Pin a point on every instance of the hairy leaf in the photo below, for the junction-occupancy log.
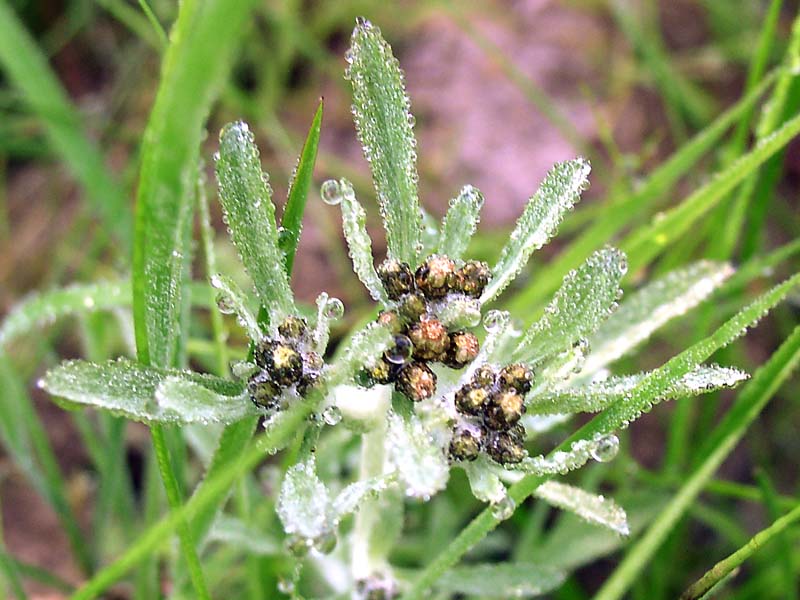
(304, 501)
(460, 222)
(590, 507)
(500, 580)
(232, 298)
(419, 461)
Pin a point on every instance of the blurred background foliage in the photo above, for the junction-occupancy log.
(501, 90)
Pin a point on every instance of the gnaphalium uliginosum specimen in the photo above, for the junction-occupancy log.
(424, 388)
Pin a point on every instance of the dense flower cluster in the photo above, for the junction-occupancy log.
(285, 362)
(490, 407)
(420, 337)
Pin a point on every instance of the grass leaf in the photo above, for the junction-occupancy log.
(246, 198)
(381, 109)
(558, 193)
(460, 222)
(589, 507)
(500, 580)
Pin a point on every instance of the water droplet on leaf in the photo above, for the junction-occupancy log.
(606, 449)
(334, 309)
(504, 508)
(331, 192)
(332, 416)
(224, 304)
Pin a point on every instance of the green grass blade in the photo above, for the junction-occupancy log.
(384, 123)
(460, 222)
(557, 194)
(617, 416)
(749, 404)
(27, 68)
(500, 580)
(622, 213)
(589, 507)
(246, 198)
(292, 221)
(41, 309)
(647, 242)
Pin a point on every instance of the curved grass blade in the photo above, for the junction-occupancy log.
(558, 193)
(381, 110)
(233, 297)
(292, 221)
(41, 309)
(246, 198)
(589, 507)
(460, 222)
(500, 580)
(766, 381)
(650, 308)
(359, 244)
(587, 297)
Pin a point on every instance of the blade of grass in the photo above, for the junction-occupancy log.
(292, 221)
(619, 215)
(782, 553)
(202, 42)
(28, 70)
(613, 418)
(154, 23)
(749, 404)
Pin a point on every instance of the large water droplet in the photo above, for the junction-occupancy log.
(400, 353)
(332, 416)
(298, 545)
(493, 321)
(606, 449)
(224, 304)
(504, 508)
(325, 543)
(331, 192)
(334, 309)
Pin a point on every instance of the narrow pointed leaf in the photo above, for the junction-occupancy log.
(381, 110)
(149, 394)
(501, 580)
(304, 501)
(586, 298)
(246, 198)
(589, 507)
(232, 295)
(650, 308)
(349, 499)
(292, 221)
(564, 459)
(44, 308)
(359, 244)
(420, 464)
(558, 193)
(596, 397)
(460, 222)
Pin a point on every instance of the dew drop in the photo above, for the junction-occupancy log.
(331, 192)
(285, 586)
(493, 321)
(332, 416)
(88, 302)
(298, 545)
(325, 543)
(606, 449)
(504, 508)
(224, 304)
(334, 309)
(400, 353)
(242, 369)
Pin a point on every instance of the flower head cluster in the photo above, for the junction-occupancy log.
(420, 337)
(286, 362)
(489, 409)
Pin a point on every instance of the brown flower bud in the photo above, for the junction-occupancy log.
(412, 306)
(472, 278)
(264, 392)
(391, 320)
(283, 362)
(416, 381)
(436, 276)
(430, 340)
(463, 349)
(504, 448)
(484, 376)
(504, 410)
(396, 277)
(472, 400)
(383, 371)
(516, 377)
(466, 442)
(293, 328)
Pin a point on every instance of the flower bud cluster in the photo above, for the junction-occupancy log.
(285, 362)
(491, 406)
(421, 338)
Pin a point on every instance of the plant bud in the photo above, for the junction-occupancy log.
(430, 340)
(516, 377)
(466, 442)
(416, 381)
(383, 372)
(284, 364)
(472, 400)
(412, 306)
(504, 448)
(264, 392)
(484, 376)
(391, 320)
(396, 277)
(463, 349)
(436, 276)
(293, 328)
(504, 410)
(472, 278)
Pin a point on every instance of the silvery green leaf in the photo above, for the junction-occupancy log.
(651, 307)
(458, 311)
(558, 193)
(246, 199)
(587, 297)
(460, 222)
(589, 507)
(39, 309)
(430, 233)
(500, 580)
(304, 501)
(359, 244)
(348, 500)
(149, 394)
(419, 462)
(381, 110)
(322, 327)
(561, 461)
(483, 480)
(232, 295)
(595, 397)
(235, 533)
